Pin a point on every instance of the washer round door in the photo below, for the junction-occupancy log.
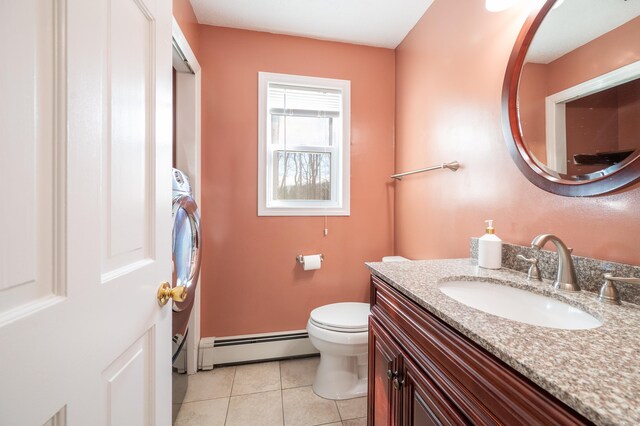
(186, 258)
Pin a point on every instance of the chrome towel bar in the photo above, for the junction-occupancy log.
(453, 166)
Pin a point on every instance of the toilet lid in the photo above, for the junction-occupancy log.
(347, 316)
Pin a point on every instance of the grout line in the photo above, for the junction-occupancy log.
(226, 414)
(256, 392)
(233, 382)
(281, 391)
(303, 386)
(206, 399)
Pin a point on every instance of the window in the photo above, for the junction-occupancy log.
(303, 152)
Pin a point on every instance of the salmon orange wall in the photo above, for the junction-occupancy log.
(449, 76)
(253, 283)
(186, 18)
(629, 112)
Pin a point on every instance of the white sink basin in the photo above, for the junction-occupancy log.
(519, 305)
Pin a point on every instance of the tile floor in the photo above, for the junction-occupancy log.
(269, 394)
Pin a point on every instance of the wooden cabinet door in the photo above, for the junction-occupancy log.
(383, 368)
(423, 403)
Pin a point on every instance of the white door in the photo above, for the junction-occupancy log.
(85, 125)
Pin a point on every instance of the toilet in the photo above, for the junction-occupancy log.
(339, 331)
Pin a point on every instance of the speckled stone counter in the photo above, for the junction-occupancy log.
(596, 371)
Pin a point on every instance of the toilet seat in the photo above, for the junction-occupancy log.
(346, 317)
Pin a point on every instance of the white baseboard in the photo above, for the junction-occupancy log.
(253, 347)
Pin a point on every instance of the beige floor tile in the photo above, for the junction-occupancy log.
(256, 409)
(332, 424)
(302, 407)
(352, 408)
(252, 378)
(355, 422)
(211, 412)
(298, 372)
(210, 384)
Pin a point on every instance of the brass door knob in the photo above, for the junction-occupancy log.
(165, 293)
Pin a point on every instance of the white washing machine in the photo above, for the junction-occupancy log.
(186, 242)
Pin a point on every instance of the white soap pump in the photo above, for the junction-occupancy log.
(490, 248)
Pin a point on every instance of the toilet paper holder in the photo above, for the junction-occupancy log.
(300, 258)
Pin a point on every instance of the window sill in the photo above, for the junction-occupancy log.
(304, 212)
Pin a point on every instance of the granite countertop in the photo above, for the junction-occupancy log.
(596, 371)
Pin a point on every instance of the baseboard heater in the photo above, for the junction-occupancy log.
(253, 348)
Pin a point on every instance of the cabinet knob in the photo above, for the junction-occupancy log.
(398, 383)
(390, 374)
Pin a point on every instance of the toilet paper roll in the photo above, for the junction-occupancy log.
(311, 262)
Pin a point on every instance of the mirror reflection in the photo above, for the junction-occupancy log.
(579, 89)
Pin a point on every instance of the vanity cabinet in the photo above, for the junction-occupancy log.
(423, 372)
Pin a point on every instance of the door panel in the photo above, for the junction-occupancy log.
(29, 156)
(128, 382)
(382, 398)
(423, 402)
(128, 152)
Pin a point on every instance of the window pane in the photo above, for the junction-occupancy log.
(302, 175)
(292, 130)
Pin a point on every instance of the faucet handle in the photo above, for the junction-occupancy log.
(609, 292)
(534, 271)
(628, 280)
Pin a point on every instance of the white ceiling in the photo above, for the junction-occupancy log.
(577, 22)
(381, 23)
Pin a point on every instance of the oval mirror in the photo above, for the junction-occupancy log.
(571, 96)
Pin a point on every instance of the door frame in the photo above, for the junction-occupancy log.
(188, 157)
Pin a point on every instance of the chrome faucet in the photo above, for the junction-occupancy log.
(566, 278)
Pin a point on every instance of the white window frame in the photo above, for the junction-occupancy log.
(339, 205)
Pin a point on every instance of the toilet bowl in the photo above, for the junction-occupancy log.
(339, 332)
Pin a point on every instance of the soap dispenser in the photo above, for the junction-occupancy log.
(490, 249)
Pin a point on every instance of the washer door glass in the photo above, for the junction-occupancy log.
(186, 257)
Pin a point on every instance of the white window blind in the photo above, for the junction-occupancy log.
(304, 101)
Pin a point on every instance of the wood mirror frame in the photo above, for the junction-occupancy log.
(609, 179)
